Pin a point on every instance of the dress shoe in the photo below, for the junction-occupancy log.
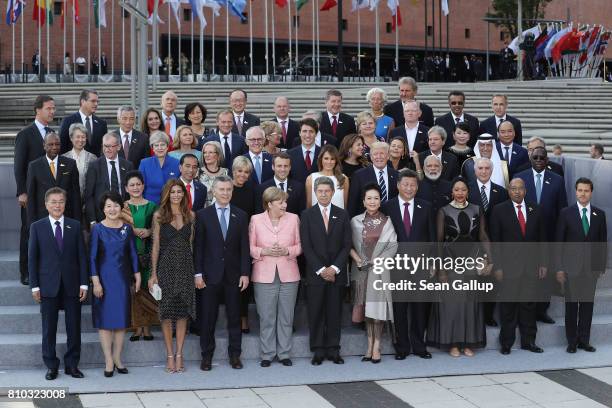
(374, 361)
(148, 338)
(108, 374)
(400, 356)
(545, 319)
(236, 363)
(586, 347)
(51, 374)
(505, 350)
(491, 323)
(122, 370)
(339, 360)
(286, 362)
(533, 348)
(316, 360)
(25, 280)
(571, 348)
(366, 359)
(135, 338)
(265, 363)
(426, 355)
(74, 372)
(245, 331)
(206, 364)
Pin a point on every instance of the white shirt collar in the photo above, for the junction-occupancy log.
(53, 220)
(84, 116)
(580, 207)
(41, 128)
(318, 139)
(277, 181)
(122, 134)
(116, 159)
(331, 115)
(286, 120)
(54, 161)
(498, 118)
(254, 156)
(461, 118)
(402, 202)
(522, 204)
(217, 206)
(487, 184)
(311, 149)
(377, 171)
(416, 126)
(185, 182)
(322, 207)
(535, 173)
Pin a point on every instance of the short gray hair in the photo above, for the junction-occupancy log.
(49, 135)
(316, 115)
(77, 127)
(158, 136)
(430, 158)
(222, 179)
(124, 108)
(113, 135)
(374, 91)
(379, 145)
(242, 162)
(254, 129)
(408, 81)
(324, 180)
(535, 139)
(438, 130)
(478, 160)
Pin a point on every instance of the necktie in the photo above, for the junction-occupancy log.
(282, 186)
(521, 219)
(48, 130)
(227, 152)
(325, 219)
(483, 198)
(585, 221)
(168, 126)
(52, 168)
(189, 199)
(334, 125)
(507, 154)
(126, 145)
(88, 126)
(258, 168)
(407, 223)
(223, 223)
(114, 186)
(457, 120)
(382, 185)
(58, 236)
(284, 130)
(239, 123)
(538, 187)
(308, 161)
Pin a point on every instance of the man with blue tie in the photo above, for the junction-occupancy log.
(512, 153)
(233, 144)
(261, 161)
(57, 265)
(222, 265)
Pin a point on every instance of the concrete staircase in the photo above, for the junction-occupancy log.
(572, 113)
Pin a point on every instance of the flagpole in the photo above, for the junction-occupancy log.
(73, 36)
(13, 31)
(227, 55)
(273, 42)
(213, 42)
(123, 47)
(180, 55)
(112, 37)
(359, 38)
(64, 17)
(88, 62)
(397, 38)
(192, 70)
(154, 45)
(101, 4)
(290, 23)
(48, 53)
(169, 56)
(377, 44)
(266, 34)
(201, 50)
(314, 51)
(297, 39)
(318, 43)
(251, 35)
(22, 53)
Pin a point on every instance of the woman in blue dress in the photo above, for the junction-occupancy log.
(113, 268)
(158, 168)
(377, 98)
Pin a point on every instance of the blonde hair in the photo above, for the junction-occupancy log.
(362, 117)
(271, 194)
(242, 162)
(176, 143)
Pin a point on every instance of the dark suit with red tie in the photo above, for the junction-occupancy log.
(290, 133)
(345, 124)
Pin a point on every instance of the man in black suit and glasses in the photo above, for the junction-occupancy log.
(325, 232)
(96, 126)
(456, 103)
(408, 92)
(28, 147)
(582, 238)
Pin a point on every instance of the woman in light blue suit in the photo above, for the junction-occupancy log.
(158, 168)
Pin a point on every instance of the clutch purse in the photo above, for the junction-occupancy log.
(156, 292)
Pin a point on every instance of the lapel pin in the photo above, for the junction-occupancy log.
(418, 206)
(334, 217)
(266, 160)
(547, 182)
(494, 190)
(530, 209)
(289, 189)
(172, 173)
(594, 213)
(245, 122)
(68, 226)
(233, 215)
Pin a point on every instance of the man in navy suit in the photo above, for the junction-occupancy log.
(96, 126)
(413, 132)
(490, 124)
(379, 172)
(304, 157)
(334, 122)
(233, 144)
(413, 222)
(436, 138)
(547, 190)
(134, 144)
(456, 102)
(290, 129)
(242, 120)
(281, 165)
(57, 264)
(408, 91)
(222, 264)
(582, 254)
(512, 153)
(29, 146)
(170, 121)
(188, 166)
(261, 160)
(532, 143)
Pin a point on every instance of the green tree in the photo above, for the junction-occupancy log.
(507, 11)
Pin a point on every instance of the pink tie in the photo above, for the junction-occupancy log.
(325, 219)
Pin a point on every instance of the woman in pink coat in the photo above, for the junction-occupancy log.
(274, 237)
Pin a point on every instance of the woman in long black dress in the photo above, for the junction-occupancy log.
(172, 268)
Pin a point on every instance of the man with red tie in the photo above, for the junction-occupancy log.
(334, 122)
(188, 166)
(290, 128)
(304, 157)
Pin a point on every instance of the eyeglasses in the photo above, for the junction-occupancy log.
(258, 140)
(53, 202)
(110, 146)
(160, 144)
(538, 157)
(456, 103)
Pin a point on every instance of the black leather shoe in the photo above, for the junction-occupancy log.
(586, 347)
(426, 355)
(109, 373)
(51, 374)
(316, 360)
(505, 351)
(491, 323)
(236, 363)
(265, 363)
(206, 364)
(286, 362)
(376, 360)
(74, 372)
(122, 370)
(545, 319)
(134, 338)
(148, 338)
(366, 359)
(533, 348)
(400, 356)
(25, 280)
(339, 360)
(571, 348)
(245, 331)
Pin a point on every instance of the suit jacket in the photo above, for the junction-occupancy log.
(298, 165)
(219, 260)
(325, 248)
(94, 142)
(361, 178)
(346, 125)
(29, 145)
(489, 125)
(396, 111)
(97, 182)
(248, 120)
(422, 224)
(296, 190)
(238, 147)
(49, 267)
(438, 193)
(448, 123)
(139, 147)
(420, 143)
(552, 200)
(263, 235)
(266, 168)
(498, 194)
(518, 157)
(293, 133)
(200, 192)
(449, 163)
(40, 180)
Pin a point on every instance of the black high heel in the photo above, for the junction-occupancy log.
(110, 373)
(366, 359)
(123, 370)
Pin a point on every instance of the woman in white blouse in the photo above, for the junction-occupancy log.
(329, 165)
(78, 137)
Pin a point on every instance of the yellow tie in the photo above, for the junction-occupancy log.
(52, 167)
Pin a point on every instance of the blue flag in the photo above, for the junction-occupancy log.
(236, 7)
(13, 11)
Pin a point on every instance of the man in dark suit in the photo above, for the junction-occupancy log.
(188, 166)
(104, 64)
(408, 91)
(290, 129)
(413, 223)
(261, 160)
(325, 232)
(242, 120)
(512, 153)
(379, 172)
(433, 188)
(96, 126)
(281, 165)
(491, 124)
(596, 151)
(436, 139)
(304, 157)
(532, 143)
(134, 144)
(321, 138)
(57, 267)
(582, 254)
(517, 226)
(170, 121)
(106, 173)
(222, 266)
(49, 171)
(456, 102)
(334, 122)
(29, 145)
(414, 132)
(232, 143)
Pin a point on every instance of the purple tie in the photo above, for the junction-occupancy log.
(407, 223)
(58, 236)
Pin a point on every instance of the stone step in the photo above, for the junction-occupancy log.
(9, 265)
(13, 293)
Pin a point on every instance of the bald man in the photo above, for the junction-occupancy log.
(170, 121)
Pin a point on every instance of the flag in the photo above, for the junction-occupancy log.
(210, 4)
(359, 4)
(565, 45)
(395, 12)
(373, 4)
(176, 9)
(13, 11)
(43, 11)
(445, 9)
(514, 45)
(329, 4)
(397, 20)
(554, 40)
(590, 46)
(75, 10)
(196, 10)
(541, 41)
(602, 45)
(99, 13)
(236, 7)
(300, 3)
(281, 3)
